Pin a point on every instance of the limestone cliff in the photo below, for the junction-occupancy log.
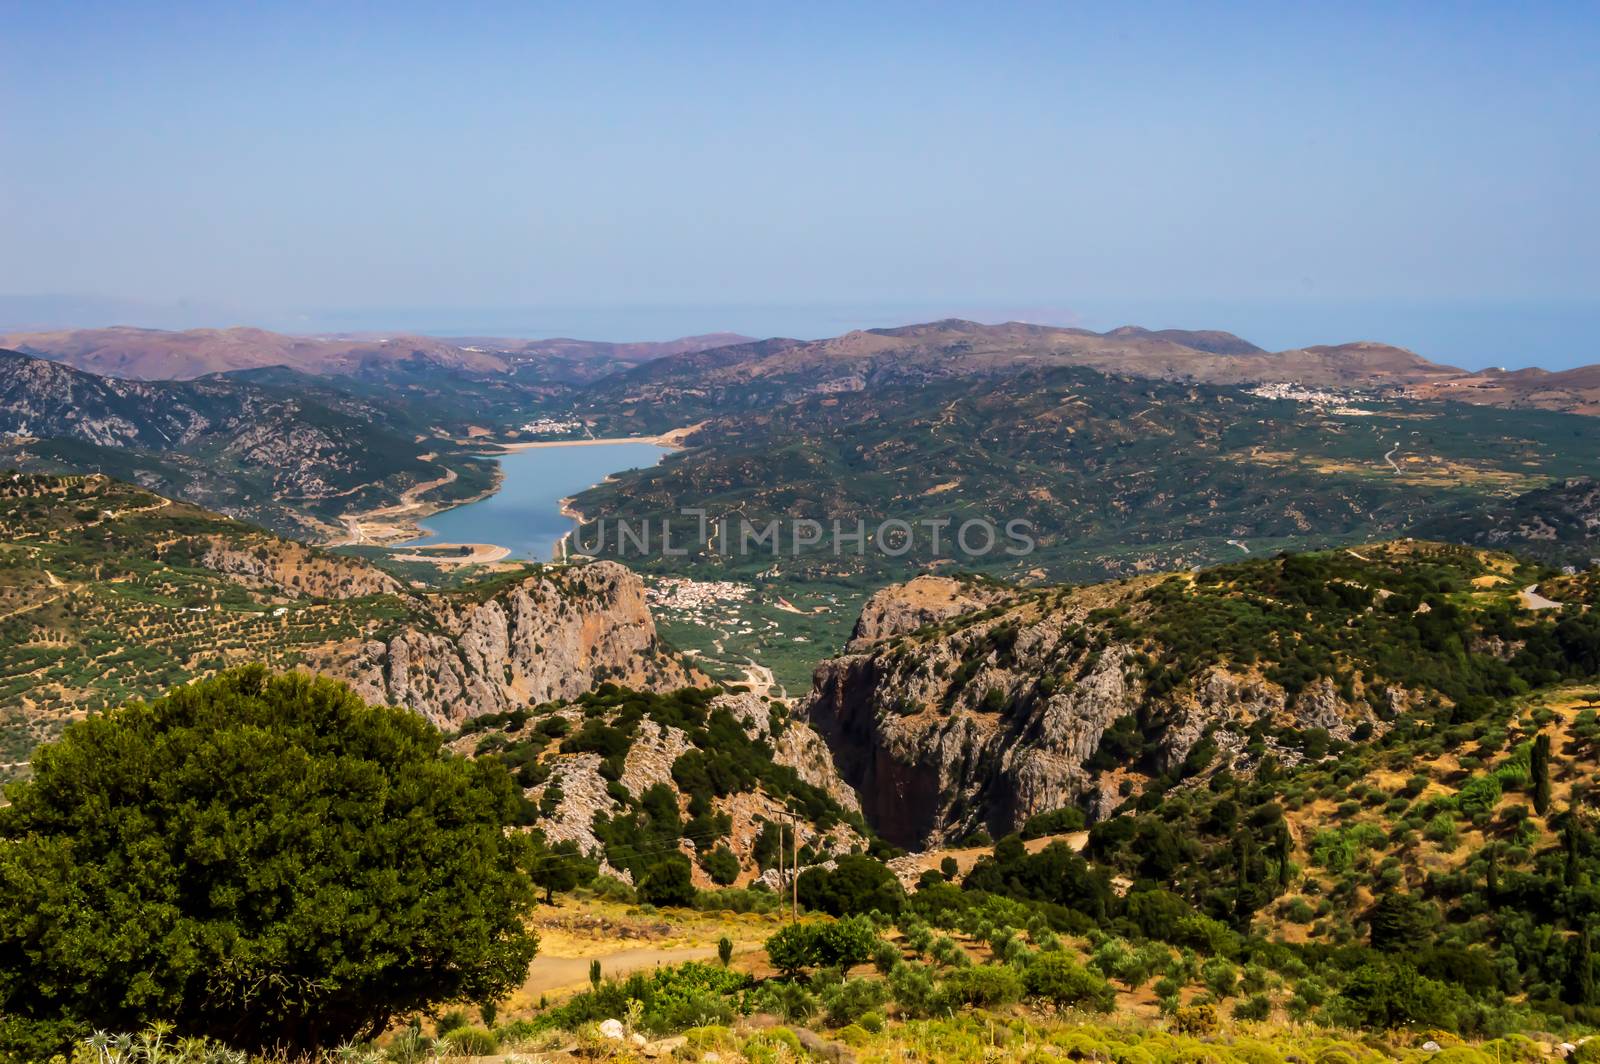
(551, 635)
(956, 708)
(576, 790)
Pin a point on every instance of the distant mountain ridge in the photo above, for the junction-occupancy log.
(686, 388)
(157, 354)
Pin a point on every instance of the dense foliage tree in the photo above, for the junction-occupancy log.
(560, 868)
(1401, 922)
(856, 884)
(670, 881)
(1059, 979)
(1580, 970)
(835, 944)
(721, 865)
(262, 859)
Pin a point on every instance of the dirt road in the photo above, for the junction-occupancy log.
(1532, 600)
(550, 974)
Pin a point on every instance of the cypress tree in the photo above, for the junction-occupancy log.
(1580, 971)
(1569, 839)
(1282, 845)
(1539, 765)
(1243, 852)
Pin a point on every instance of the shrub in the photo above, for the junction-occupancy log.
(202, 858)
(856, 884)
(851, 999)
(1255, 1007)
(982, 986)
(1219, 976)
(787, 1000)
(1442, 830)
(913, 989)
(838, 944)
(669, 999)
(1195, 1019)
(1060, 980)
(669, 882)
(721, 865)
(790, 948)
(473, 1042)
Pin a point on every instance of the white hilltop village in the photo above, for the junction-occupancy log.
(1332, 402)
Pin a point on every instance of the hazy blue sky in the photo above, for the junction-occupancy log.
(1423, 173)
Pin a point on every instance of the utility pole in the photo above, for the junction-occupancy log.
(794, 882)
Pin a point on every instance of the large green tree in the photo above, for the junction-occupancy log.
(262, 859)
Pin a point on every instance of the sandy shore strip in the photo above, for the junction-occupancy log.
(478, 554)
(673, 439)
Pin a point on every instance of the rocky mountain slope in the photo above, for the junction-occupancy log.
(285, 452)
(108, 592)
(1004, 704)
(1574, 390)
(728, 779)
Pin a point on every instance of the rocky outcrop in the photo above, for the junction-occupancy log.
(294, 569)
(579, 780)
(987, 721)
(552, 635)
(902, 608)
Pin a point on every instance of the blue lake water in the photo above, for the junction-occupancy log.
(525, 514)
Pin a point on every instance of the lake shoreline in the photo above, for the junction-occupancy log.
(667, 440)
(487, 548)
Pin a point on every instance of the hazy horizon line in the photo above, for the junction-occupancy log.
(1554, 334)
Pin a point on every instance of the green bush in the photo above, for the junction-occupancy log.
(982, 986)
(856, 884)
(721, 865)
(203, 859)
(848, 1001)
(836, 944)
(1255, 1007)
(1060, 980)
(473, 1042)
(669, 882)
(670, 999)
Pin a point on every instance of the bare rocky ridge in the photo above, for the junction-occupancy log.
(941, 732)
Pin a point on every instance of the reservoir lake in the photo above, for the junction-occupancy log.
(525, 514)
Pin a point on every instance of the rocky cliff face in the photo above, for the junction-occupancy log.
(552, 635)
(990, 717)
(581, 783)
